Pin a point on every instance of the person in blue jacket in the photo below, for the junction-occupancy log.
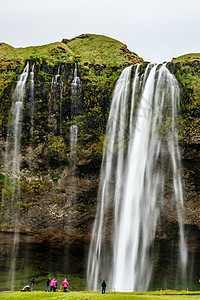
(48, 284)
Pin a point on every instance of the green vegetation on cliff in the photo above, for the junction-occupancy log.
(187, 72)
(102, 50)
(100, 61)
(89, 48)
(85, 49)
(45, 167)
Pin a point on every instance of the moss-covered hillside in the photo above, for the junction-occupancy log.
(87, 49)
(186, 68)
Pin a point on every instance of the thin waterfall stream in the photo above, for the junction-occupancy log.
(55, 124)
(32, 99)
(75, 89)
(12, 160)
(140, 151)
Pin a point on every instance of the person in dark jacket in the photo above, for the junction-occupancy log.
(48, 284)
(32, 283)
(103, 285)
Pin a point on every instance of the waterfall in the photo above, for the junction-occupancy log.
(13, 146)
(76, 80)
(75, 93)
(56, 92)
(11, 190)
(31, 99)
(75, 89)
(140, 151)
(73, 145)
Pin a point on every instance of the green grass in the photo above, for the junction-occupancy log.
(85, 50)
(92, 295)
(50, 52)
(101, 50)
(22, 278)
(90, 48)
(187, 57)
(188, 75)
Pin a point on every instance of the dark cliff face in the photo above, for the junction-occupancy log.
(48, 200)
(57, 191)
(186, 69)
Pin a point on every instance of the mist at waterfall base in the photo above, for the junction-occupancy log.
(141, 155)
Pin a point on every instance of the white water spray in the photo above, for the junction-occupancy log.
(141, 140)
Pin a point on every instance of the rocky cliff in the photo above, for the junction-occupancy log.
(48, 200)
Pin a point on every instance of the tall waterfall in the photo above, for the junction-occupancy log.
(75, 89)
(140, 153)
(31, 99)
(13, 146)
(11, 190)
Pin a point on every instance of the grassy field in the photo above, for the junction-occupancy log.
(89, 48)
(22, 278)
(97, 295)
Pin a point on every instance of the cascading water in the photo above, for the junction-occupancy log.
(140, 151)
(56, 91)
(31, 99)
(73, 145)
(11, 190)
(75, 89)
(76, 81)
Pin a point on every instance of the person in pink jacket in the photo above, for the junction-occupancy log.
(53, 285)
(65, 285)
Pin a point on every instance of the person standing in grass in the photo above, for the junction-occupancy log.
(103, 285)
(32, 283)
(48, 284)
(53, 285)
(65, 285)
